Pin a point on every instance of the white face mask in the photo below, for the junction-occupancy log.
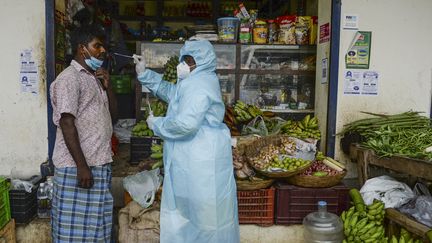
(183, 70)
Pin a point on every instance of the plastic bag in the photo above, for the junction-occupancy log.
(390, 191)
(305, 149)
(420, 209)
(263, 127)
(123, 129)
(143, 186)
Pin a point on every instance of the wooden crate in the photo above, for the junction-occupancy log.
(7, 233)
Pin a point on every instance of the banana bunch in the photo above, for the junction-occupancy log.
(244, 112)
(170, 67)
(306, 128)
(364, 226)
(229, 120)
(141, 130)
(405, 237)
(157, 154)
(158, 107)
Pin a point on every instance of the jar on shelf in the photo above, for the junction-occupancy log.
(245, 35)
(260, 32)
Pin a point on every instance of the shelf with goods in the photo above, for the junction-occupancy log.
(264, 76)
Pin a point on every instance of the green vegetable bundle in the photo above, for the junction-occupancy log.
(407, 134)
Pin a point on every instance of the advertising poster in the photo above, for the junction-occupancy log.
(358, 55)
(28, 74)
(361, 82)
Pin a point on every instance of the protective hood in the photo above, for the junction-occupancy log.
(203, 53)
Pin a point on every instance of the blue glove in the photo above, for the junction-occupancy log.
(150, 121)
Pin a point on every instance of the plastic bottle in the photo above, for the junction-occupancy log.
(43, 202)
(322, 226)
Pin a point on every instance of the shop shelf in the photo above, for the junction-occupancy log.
(294, 203)
(256, 207)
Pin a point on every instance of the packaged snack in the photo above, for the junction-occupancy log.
(253, 16)
(287, 29)
(313, 31)
(245, 35)
(238, 14)
(244, 11)
(303, 25)
(272, 31)
(260, 32)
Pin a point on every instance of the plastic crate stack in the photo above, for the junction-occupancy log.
(256, 206)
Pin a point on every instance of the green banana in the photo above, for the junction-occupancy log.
(343, 216)
(367, 228)
(156, 156)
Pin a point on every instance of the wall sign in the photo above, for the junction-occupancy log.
(324, 33)
(358, 55)
(358, 82)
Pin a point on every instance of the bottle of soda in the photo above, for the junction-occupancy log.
(43, 202)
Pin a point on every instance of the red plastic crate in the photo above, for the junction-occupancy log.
(256, 207)
(294, 203)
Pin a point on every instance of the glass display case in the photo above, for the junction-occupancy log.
(279, 78)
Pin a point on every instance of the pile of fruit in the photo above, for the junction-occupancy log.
(363, 223)
(278, 158)
(286, 164)
(170, 73)
(141, 130)
(244, 112)
(157, 154)
(306, 128)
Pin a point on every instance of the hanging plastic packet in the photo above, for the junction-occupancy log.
(244, 11)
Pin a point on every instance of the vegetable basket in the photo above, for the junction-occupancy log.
(253, 149)
(255, 183)
(316, 181)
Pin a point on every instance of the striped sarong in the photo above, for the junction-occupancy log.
(82, 215)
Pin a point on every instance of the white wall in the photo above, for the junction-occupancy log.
(401, 53)
(23, 116)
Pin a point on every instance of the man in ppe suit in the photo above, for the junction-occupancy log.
(199, 202)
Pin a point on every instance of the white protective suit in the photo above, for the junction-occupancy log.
(199, 202)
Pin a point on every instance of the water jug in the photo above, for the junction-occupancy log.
(322, 226)
(43, 202)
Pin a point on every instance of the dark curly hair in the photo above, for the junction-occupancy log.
(85, 34)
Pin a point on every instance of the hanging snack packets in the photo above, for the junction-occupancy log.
(287, 29)
(313, 31)
(244, 11)
(302, 28)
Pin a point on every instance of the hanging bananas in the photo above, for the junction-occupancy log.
(244, 112)
(157, 154)
(170, 67)
(306, 128)
(141, 130)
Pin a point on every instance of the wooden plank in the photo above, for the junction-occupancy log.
(414, 167)
(408, 223)
(7, 233)
(409, 166)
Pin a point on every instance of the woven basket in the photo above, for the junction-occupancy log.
(253, 149)
(316, 181)
(255, 183)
